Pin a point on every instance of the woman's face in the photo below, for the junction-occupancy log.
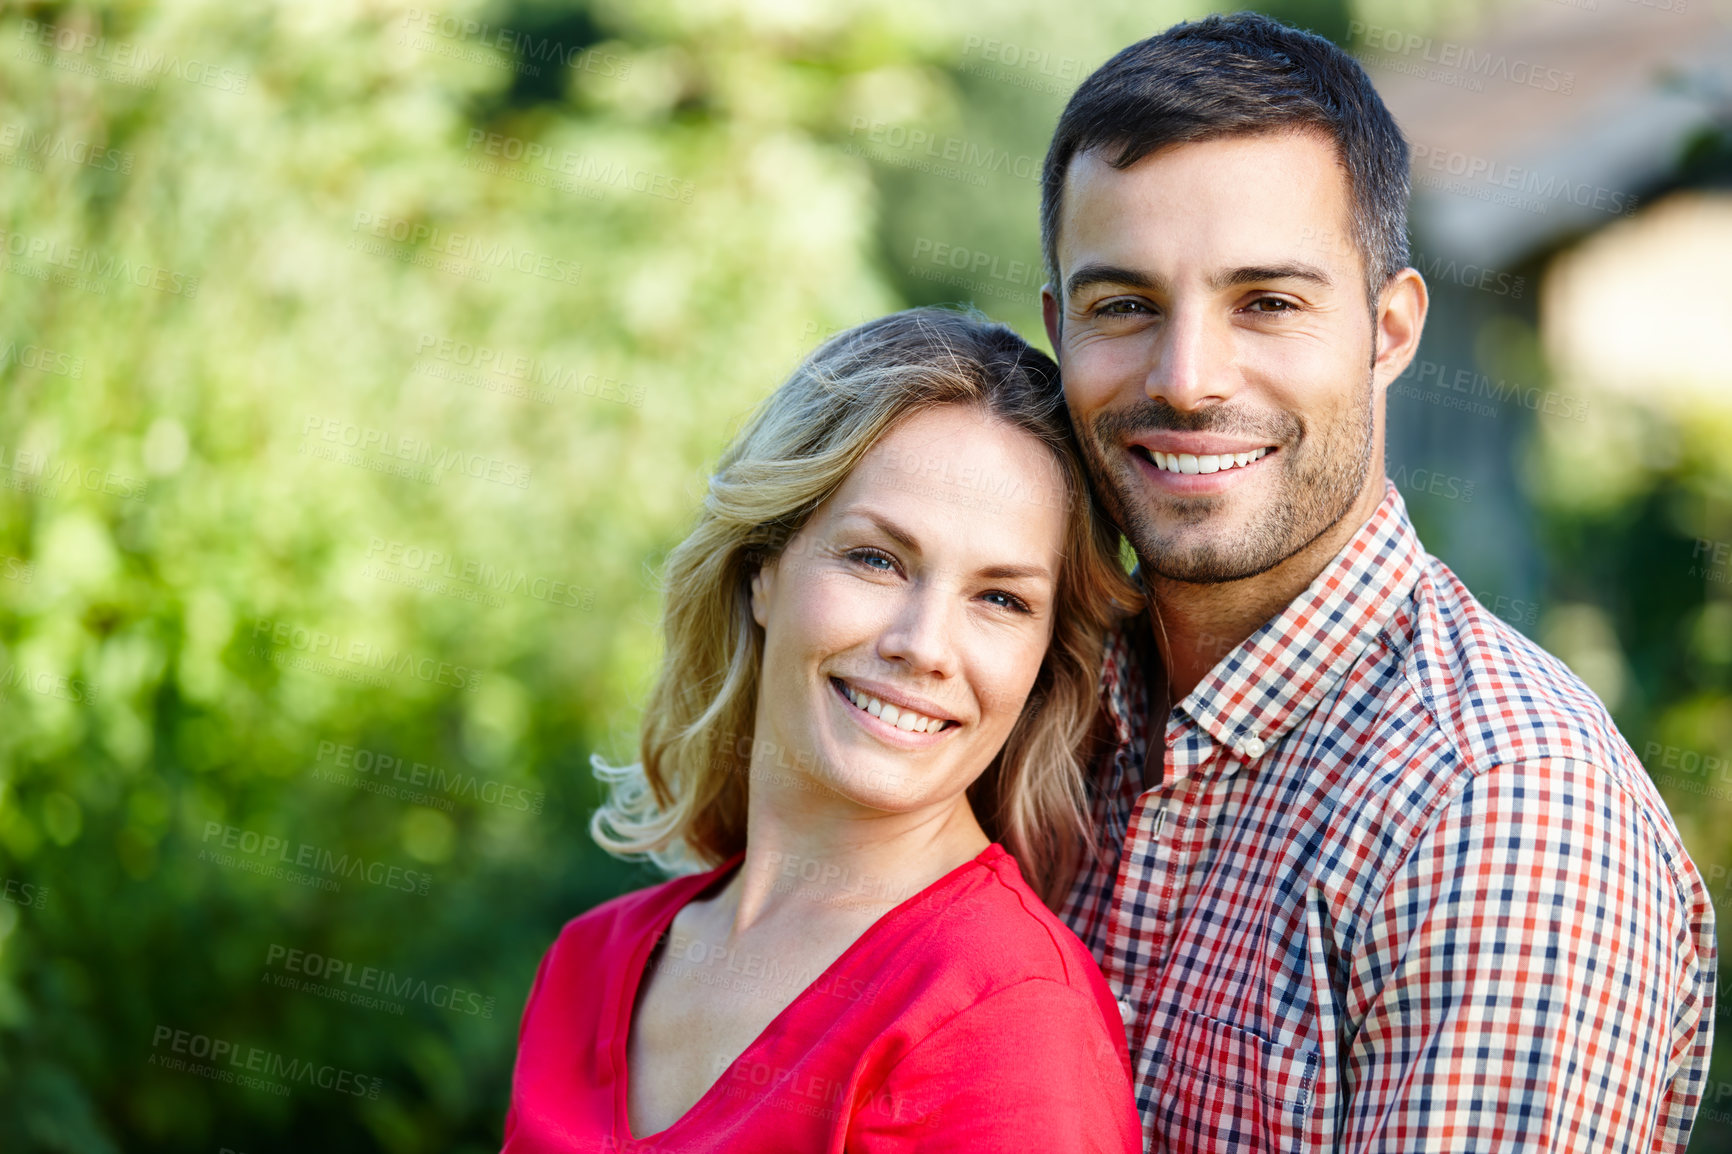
(905, 623)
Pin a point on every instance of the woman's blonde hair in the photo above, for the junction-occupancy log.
(684, 804)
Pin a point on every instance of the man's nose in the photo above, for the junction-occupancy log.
(1194, 360)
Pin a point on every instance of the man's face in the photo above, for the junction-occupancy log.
(1217, 349)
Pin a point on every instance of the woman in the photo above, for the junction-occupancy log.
(882, 644)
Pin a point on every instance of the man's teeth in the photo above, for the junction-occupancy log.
(901, 718)
(1207, 463)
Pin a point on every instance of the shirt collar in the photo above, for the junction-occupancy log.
(1262, 689)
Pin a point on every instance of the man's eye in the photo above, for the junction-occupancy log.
(1272, 305)
(1120, 308)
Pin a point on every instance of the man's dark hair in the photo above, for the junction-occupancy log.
(1232, 75)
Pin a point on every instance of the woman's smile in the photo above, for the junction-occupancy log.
(901, 726)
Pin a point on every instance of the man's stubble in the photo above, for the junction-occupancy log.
(1322, 473)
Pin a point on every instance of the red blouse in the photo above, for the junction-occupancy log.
(968, 1018)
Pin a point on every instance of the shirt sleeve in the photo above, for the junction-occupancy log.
(522, 1025)
(1538, 976)
(1031, 1067)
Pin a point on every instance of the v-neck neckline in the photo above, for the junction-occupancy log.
(621, 1047)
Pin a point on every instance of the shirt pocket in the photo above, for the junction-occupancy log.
(1229, 1089)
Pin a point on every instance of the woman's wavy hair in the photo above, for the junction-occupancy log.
(684, 804)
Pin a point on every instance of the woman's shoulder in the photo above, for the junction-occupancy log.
(1003, 1020)
(994, 926)
(632, 914)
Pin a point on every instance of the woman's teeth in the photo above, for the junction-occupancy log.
(901, 718)
(1206, 463)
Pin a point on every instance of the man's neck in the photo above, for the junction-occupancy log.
(1196, 625)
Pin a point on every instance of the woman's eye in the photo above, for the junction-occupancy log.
(874, 559)
(1007, 600)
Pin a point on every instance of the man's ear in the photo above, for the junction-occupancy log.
(763, 584)
(1051, 314)
(1401, 308)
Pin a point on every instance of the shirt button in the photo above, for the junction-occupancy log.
(1127, 1013)
(1252, 747)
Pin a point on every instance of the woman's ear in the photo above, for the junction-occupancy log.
(763, 587)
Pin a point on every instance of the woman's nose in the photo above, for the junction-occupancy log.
(922, 633)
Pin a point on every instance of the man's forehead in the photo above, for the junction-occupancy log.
(1243, 191)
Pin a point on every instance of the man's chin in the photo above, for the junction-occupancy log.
(1210, 572)
(1215, 558)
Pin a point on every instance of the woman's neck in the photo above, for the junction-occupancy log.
(808, 860)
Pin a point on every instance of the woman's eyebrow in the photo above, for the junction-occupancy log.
(1013, 572)
(1000, 572)
(888, 527)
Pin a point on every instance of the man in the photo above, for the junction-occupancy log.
(1375, 872)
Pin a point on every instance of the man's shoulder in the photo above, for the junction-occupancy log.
(1496, 695)
(1507, 707)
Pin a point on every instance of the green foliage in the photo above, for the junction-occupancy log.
(202, 608)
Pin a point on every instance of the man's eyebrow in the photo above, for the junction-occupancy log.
(1093, 274)
(1258, 274)
(1097, 274)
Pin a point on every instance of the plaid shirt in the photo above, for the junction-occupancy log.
(1400, 886)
